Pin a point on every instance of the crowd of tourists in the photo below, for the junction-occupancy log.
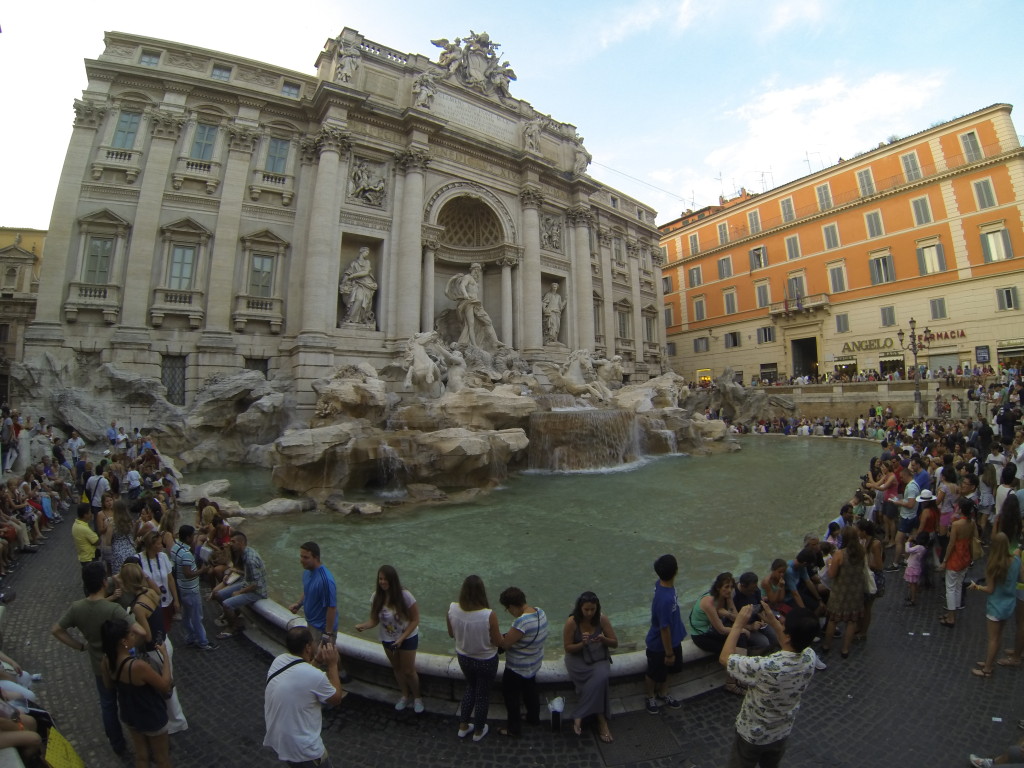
(938, 492)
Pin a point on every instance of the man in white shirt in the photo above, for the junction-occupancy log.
(296, 690)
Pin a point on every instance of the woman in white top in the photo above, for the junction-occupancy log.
(159, 568)
(475, 628)
(394, 610)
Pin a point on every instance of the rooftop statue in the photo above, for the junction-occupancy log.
(473, 61)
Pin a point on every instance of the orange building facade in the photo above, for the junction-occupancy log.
(819, 275)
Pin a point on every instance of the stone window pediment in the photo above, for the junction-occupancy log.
(186, 228)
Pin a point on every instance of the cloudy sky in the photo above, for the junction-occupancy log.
(679, 100)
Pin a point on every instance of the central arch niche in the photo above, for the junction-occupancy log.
(469, 224)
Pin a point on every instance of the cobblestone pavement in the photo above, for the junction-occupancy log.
(905, 698)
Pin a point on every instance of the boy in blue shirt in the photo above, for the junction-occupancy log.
(665, 637)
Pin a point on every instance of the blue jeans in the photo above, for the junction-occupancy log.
(192, 617)
(108, 708)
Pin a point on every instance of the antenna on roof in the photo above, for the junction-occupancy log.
(721, 189)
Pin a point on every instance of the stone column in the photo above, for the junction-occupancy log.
(165, 129)
(604, 239)
(319, 308)
(410, 248)
(60, 253)
(580, 217)
(506, 262)
(532, 338)
(221, 286)
(427, 301)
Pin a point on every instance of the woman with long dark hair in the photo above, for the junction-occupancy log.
(846, 602)
(394, 610)
(587, 638)
(475, 628)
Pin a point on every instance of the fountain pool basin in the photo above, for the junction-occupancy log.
(557, 534)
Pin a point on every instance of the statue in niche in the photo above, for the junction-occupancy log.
(477, 328)
(551, 233)
(531, 134)
(367, 184)
(551, 307)
(424, 88)
(348, 63)
(582, 159)
(357, 289)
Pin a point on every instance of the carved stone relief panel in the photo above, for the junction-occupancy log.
(551, 232)
(367, 182)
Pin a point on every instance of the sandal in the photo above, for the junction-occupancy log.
(1006, 661)
(226, 635)
(606, 737)
(507, 732)
(733, 688)
(947, 623)
(980, 672)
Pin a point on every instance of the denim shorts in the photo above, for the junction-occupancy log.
(409, 644)
(907, 524)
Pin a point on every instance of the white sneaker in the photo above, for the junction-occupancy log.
(981, 762)
(401, 704)
(464, 732)
(417, 706)
(480, 734)
(819, 664)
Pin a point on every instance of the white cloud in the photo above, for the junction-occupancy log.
(628, 20)
(786, 13)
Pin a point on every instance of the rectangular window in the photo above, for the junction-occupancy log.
(922, 211)
(650, 333)
(730, 302)
(882, 270)
(793, 247)
(694, 245)
(202, 144)
(1006, 298)
(694, 277)
(788, 212)
(758, 258)
(699, 312)
(938, 308)
(723, 234)
(261, 276)
(795, 287)
(865, 182)
(666, 284)
(996, 245)
(754, 222)
(930, 259)
(277, 156)
(625, 331)
(258, 364)
(724, 268)
(670, 348)
(763, 293)
(617, 253)
(127, 128)
(874, 223)
(824, 193)
(150, 59)
(766, 334)
(984, 193)
(842, 323)
(701, 344)
(972, 149)
(615, 201)
(220, 72)
(888, 316)
(182, 266)
(172, 375)
(669, 321)
(98, 256)
(911, 168)
(732, 339)
(291, 90)
(837, 278)
(831, 235)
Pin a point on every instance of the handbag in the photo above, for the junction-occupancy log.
(595, 652)
(870, 587)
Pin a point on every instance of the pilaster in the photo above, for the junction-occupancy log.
(532, 337)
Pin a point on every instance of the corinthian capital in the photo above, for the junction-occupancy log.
(530, 197)
(331, 139)
(164, 124)
(89, 114)
(604, 236)
(413, 159)
(242, 138)
(580, 216)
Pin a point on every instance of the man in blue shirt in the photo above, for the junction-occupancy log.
(319, 599)
(664, 638)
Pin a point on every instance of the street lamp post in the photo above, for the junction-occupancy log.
(916, 345)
